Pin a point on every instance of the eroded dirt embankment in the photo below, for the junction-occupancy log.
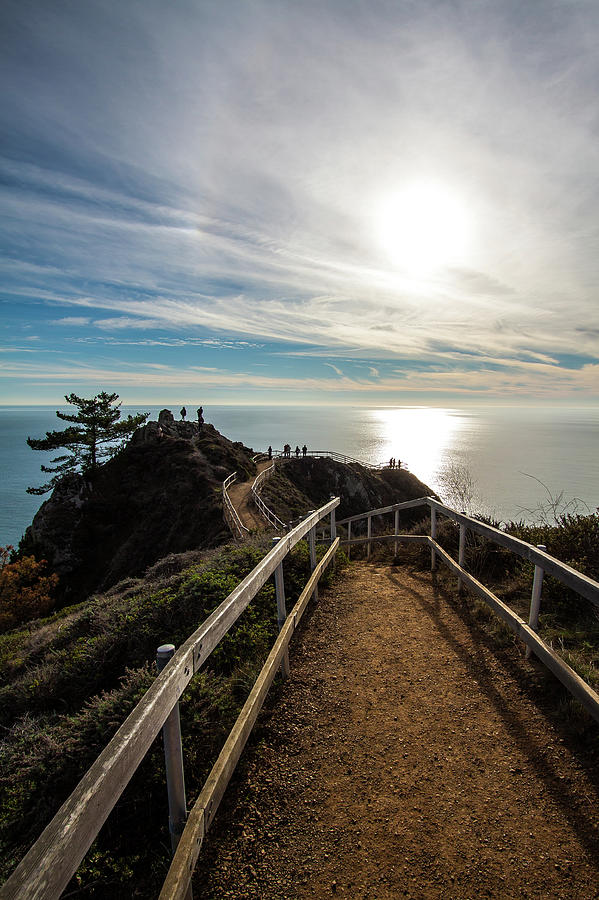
(406, 756)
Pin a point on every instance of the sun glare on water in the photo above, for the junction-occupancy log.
(424, 226)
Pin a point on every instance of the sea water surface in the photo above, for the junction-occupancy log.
(501, 448)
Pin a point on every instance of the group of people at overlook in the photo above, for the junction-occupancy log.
(393, 462)
(200, 413)
(287, 451)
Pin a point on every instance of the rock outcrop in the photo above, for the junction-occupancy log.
(161, 494)
(302, 484)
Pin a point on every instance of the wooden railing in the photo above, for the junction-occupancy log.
(265, 510)
(333, 454)
(238, 529)
(49, 865)
(527, 631)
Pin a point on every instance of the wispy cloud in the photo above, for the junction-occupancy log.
(225, 186)
(541, 382)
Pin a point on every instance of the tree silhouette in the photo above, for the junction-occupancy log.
(94, 435)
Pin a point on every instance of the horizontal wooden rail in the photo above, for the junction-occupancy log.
(573, 682)
(401, 538)
(407, 504)
(47, 868)
(333, 454)
(202, 814)
(582, 584)
(230, 514)
(568, 576)
(268, 514)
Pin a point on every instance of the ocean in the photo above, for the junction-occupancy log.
(507, 451)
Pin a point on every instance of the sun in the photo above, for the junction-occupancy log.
(424, 226)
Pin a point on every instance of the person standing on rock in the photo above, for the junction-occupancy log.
(183, 413)
(200, 416)
(270, 452)
(297, 451)
(304, 451)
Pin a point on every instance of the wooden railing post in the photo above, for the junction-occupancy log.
(281, 609)
(173, 757)
(535, 600)
(461, 552)
(368, 535)
(396, 528)
(312, 548)
(433, 537)
(333, 526)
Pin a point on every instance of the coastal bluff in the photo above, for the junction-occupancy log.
(162, 494)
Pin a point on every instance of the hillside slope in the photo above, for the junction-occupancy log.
(161, 494)
(302, 484)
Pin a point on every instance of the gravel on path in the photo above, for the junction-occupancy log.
(406, 756)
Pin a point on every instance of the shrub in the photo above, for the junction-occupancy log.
(26, 591)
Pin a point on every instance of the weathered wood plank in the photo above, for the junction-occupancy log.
(584, 585)
(568, 677)
(407, 504)
(49, 865)
(403, 538)
(205, 808)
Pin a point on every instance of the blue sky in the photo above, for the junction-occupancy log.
(385, 203)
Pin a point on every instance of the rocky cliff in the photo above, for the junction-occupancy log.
(302, 484)
(160, 495)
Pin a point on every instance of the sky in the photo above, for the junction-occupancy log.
(282, 202)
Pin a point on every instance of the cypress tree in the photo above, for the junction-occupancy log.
(95, 433)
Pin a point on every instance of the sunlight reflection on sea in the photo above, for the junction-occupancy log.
(560, 447)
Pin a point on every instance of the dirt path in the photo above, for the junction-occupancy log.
(239, 494)
(405, 757)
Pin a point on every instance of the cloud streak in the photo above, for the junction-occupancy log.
(213, 183)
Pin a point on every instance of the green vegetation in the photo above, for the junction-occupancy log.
(71, 679)
(94, 435)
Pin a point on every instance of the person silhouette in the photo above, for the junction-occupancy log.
(183, 412)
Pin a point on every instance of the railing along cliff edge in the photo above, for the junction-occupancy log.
(527, 632)
(263, 476)
(230, 515)
(49, 865)
(268, 514)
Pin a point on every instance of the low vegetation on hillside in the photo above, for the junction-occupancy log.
(161, 494)
(149, 534)
(70, 681)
